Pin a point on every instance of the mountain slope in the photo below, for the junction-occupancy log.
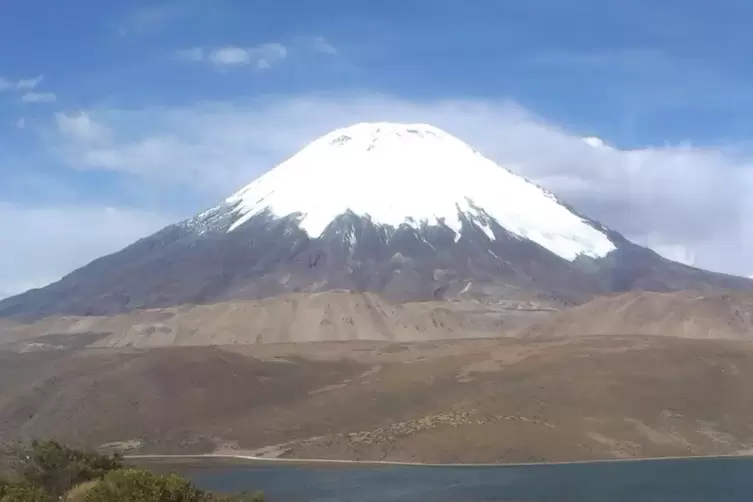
(316, 317)
(407, 211)
(686, 314)
(461, 401)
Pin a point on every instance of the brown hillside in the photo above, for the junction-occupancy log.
(685, 314)
(311, 317)
(451, 401)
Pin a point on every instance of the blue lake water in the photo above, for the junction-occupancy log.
(691, 480)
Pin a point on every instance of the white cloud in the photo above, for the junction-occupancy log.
(230, 56)
(80, 127)
(262, 56)
(23, 84)
(39, 97)
(319, 44)
(21, 123)
(45, 243)
(29, 83)
(690, 203)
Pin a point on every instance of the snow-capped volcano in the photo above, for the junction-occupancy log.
(413, 174)
(404, 210)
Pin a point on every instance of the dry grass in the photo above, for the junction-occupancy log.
(455, 401)
(78, 493)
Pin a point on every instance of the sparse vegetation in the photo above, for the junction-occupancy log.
(479, 401)
(47, 471)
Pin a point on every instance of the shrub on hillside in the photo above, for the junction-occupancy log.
(56, 469)
(135, 485)
(47, 471)
(23, 493)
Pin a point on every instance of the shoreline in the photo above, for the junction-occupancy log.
(385, 463)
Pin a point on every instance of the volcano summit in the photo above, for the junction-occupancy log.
(413, 175)
(404, 210)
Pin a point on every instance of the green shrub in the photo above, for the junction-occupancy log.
(78, 492)
(135, 485)
(55, 469)
(47, 471)
(23, 493)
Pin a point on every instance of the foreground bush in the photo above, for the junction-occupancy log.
(135, 485)
(47, 471)
(56, 469)
(24, 493)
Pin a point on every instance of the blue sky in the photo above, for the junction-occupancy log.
(119, 117)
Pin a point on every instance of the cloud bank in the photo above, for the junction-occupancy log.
(46, 243)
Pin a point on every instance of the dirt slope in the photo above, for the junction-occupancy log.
(451, 401)
(7, 325)
(685, 314)
(313, 317)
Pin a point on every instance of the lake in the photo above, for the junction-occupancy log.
(689, 480)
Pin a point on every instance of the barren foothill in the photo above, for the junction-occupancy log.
(487, 400)
(685, 314)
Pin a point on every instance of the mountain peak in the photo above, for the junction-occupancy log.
(372, 135)
(388, 128)
(413, 174)
(365, 132)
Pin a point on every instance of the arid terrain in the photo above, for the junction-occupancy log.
(315, 317)
(352, 316)
(484, 400)
(686, 314)
(343, 375)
